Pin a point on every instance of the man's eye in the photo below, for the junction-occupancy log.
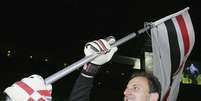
(135, 88)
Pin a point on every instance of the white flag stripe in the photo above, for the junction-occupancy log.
(170, 16)
(190, 30)
(163, 52)
(175, 88)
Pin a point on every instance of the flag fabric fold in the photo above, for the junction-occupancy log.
(172, 42)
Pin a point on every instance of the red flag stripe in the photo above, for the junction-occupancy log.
(184, 32)
(24, 86)
(165, 98)
(30, 99)
(41, 99)
(45, 92)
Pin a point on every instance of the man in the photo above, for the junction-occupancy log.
(141, 87)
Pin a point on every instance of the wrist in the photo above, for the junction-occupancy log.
(90, 70)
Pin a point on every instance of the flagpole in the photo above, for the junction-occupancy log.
(58, 75)
(170, 16)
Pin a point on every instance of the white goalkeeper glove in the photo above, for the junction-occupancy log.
(32, 88)
(103, 47)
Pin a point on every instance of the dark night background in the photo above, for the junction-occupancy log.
(58, 30)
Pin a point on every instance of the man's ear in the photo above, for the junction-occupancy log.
(154, 97)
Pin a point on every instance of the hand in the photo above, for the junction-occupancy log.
(102, 47)
(30, 88)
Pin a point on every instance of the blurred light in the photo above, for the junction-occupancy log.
(8, 55)
(128, 61)
(122, 74)
(9, 51)
(148, 61)
(65, 64)
(30, 57)
(99, 84)
(107, 71)
(137, 64)
(46, 60)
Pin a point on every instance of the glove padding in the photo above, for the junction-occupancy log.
(102, 47)
(32, 88)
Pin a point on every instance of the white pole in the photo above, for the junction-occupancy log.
(58, 75)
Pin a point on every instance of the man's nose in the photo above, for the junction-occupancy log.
(127, 92)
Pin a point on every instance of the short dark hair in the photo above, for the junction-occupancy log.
(154, 84)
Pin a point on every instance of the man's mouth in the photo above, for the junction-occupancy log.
(127, 99)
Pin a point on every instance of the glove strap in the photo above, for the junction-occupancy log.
(90, 70)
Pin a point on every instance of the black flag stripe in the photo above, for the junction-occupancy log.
(175, 54)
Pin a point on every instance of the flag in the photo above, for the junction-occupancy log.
(172, 41)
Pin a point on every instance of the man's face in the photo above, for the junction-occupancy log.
(137, 90)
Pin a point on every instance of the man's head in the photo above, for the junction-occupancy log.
(142, 87)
